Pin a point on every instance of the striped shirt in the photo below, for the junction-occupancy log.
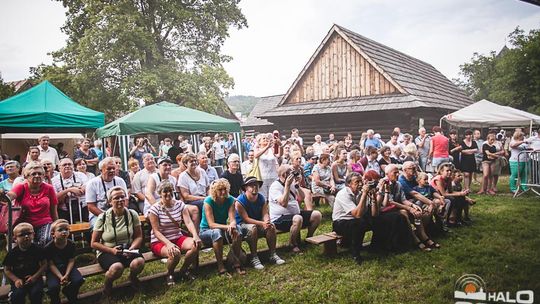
(168, 228)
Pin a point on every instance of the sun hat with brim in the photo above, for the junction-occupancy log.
(251, 180)
(164, 159)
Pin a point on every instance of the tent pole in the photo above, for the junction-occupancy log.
(238, 142)
(530, 128)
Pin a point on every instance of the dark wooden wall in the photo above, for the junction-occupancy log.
(382, 122)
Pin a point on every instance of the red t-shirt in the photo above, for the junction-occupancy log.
(440, 146)
(36, 208)
(438, 180)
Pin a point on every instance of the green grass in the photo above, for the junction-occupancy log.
(501, 247)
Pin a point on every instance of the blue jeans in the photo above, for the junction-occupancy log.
(210, 236)
(436, 161)
(70, 291)
(34, 291)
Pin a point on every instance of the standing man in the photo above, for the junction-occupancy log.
(331, 139)
(46, 152)
(318, 145)
(423, 143)
(218, 147)
(296, 137)
(371, 141)
(231, 145)
(438, 150)
(247, 165)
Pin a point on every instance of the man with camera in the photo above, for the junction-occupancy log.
(285, 213)
(350, 217)
(69, 187)
(142, 147)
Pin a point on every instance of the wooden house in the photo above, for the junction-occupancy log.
(352, 83)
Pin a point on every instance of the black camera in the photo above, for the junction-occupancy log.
(372, 185)
(296, 173)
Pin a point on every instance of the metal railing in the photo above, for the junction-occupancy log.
(531, 163)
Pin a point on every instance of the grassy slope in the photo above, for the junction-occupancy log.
(501, 247)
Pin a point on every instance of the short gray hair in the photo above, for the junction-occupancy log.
(115, 188)
(106, 160)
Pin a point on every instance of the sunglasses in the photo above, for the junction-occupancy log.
(63, 230)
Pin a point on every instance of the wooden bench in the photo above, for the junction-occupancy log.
(329, 241)
(85, 226)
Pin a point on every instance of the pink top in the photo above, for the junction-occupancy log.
(440, 146)
(438, 180)
(36, 208)
(358, 168)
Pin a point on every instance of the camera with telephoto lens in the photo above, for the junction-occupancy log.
(501, 135)
(372, 185)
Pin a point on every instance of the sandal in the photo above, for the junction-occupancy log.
(431, 244)
(239, 270)
(224, 273)
(423, 247)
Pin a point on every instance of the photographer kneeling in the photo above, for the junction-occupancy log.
(285, 213)
(117, 237)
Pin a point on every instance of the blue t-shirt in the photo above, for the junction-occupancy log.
(426, 191)
(253, 209)
(221, 212)
(373, 143)
(407, 185)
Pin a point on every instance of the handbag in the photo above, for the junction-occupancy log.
(16, 212)
(255, 170)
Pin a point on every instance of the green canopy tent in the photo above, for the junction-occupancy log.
(167, 117)
(46, 109)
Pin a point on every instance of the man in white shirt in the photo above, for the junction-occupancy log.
(296, 138)
(219, 150)
(46, 152)
(285, 212)
(70, 188)
(140, 180)
(318, 145)
(350, 215)
(247, 165)
(97, 187)
(203, 164)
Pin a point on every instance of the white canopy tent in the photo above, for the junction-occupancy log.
(484, 114)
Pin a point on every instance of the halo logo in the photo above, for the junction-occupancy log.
(471, 289)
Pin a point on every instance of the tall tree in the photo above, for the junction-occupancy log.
(511, 77)
(5, 89)
(122, 52)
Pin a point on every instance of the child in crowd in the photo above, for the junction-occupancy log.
(457, 179)
(426, 190)
(60, 253)
(24, 266)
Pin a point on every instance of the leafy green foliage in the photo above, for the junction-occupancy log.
(241, 103)
(511, 77)
(5, 89)
(123, 53)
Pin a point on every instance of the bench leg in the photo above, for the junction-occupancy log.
(330, 248)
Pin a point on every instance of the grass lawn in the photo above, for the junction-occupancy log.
(501, 247)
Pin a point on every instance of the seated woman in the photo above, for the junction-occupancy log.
(181, 167)
(340, 168)
(215, 232)
(38, 201)
(323, 183)
(351, 213)
(166, 237)
(81, 166)
(354, 164)
(193, 182)
(117, 236)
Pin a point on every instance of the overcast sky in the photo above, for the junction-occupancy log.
(283, 34)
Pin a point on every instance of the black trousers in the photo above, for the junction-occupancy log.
(353, 232)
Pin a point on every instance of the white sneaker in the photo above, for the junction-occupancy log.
(274, 258)
(256, 263)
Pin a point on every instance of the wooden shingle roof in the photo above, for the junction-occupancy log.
(420, 84)
(264, 105)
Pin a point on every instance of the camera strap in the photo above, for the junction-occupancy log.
(113, 221)
(290, 191)
(105, 188)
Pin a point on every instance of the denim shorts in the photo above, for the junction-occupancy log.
(209, 236)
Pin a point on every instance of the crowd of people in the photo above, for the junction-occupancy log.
(406, 190)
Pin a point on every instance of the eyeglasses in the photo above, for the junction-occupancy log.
(25, 234)
(36, 173)
(119, 198)
(67, 165)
